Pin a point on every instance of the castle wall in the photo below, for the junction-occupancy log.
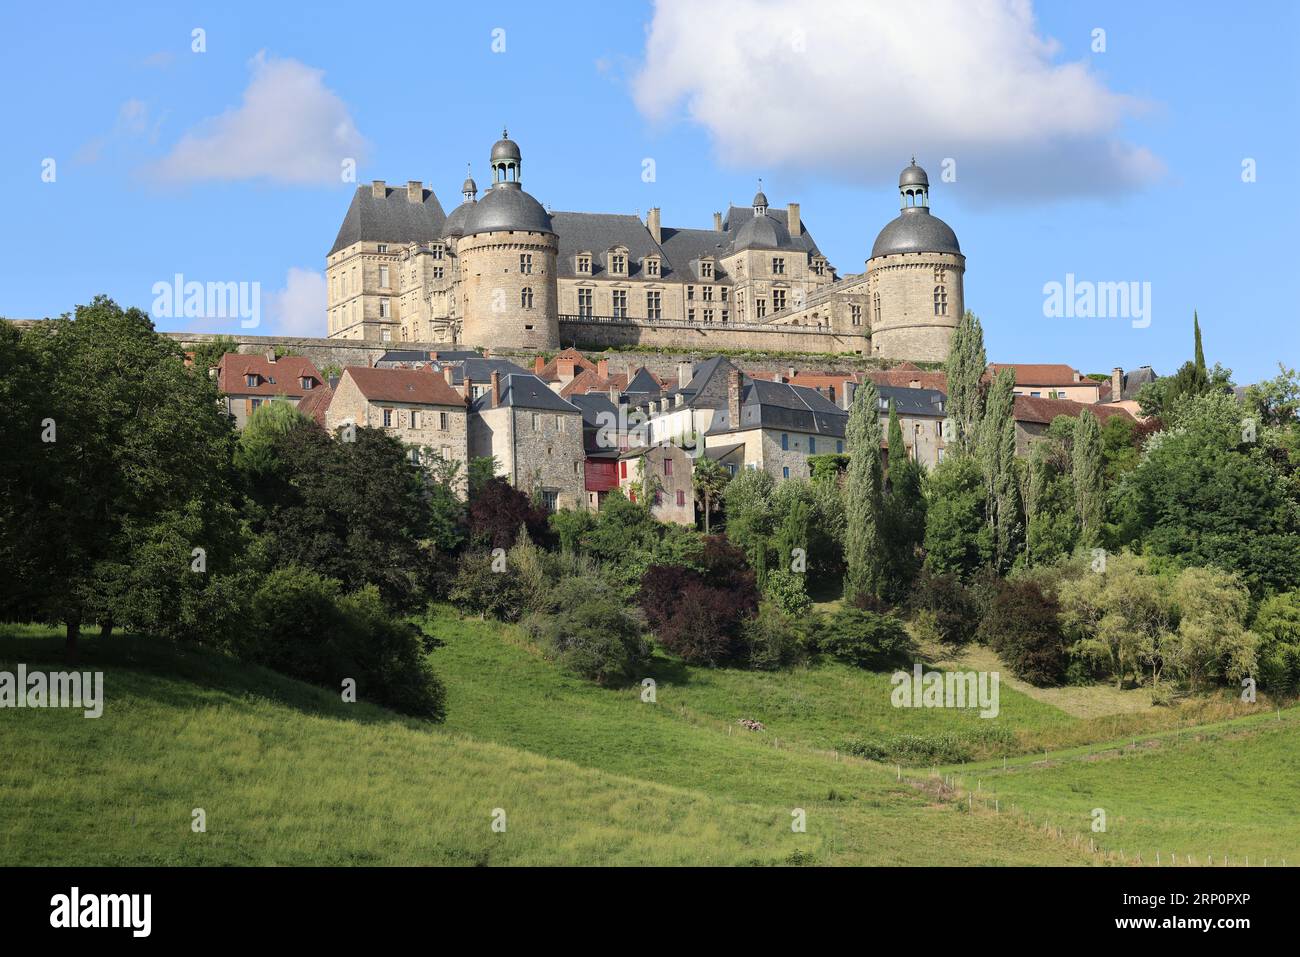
(907, 327)
(491, 287)
(597, 334)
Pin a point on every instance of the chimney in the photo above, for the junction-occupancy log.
(1116, 384)
(792, 219)
(449, 374)
(652, 224)
(602, 368)
(468, 385)
(717, 222)
(789, 374)
(733, 399)
(270, 355)
(685, 372)
(850, 391)
(377, 189)
(538, 365)
(565, 367)
(414, 191)
(496, 389)
(615, 396)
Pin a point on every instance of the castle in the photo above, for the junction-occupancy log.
(502, 271)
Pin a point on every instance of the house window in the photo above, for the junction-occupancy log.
(668, 468)
(537, 422)
(620, 303)
(442, 421)
(526, 263)
(760, 308)
(388, 417)
(855, 312)
(731, 470)
(778, 266)
(383, 277)
(940, 301)
(812, 445)
(257, 403)
(652, 267)
(385, 308)
(415, 419)
(584, 303)
(778, 300)
(681, 498)
(785, 472)
(622, 470)
(550, 499)
(307, 383)
(415, 456)
(785, 441)
(251, 379)
(526, 297)
(654, 305)
(584, 265)
(839, 446)
(559, 423)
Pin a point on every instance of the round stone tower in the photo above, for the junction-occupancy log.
(507, 252)
(914, 278)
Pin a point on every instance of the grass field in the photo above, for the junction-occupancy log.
(288, 774)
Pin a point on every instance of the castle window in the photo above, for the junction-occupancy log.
(383, 277)
(760, 308)
(722, 293)
(654, 305)
(778, 300)
(708, 315)
(652, 267)
(387, 336)
(855, 311)
(620, 303)
(526, 297)
(584, 303)
(584, 265)
(437, 252)
(778, 266)
(437, 272)
(938, 274)
(690, 292)
(385, 308)
(724, 315)
(690, 315)
(618, 264)
(383, 247)
(819, 267)
(706, 269)
(526, 263)
(875, 307)
(940, 301)
(708, 294)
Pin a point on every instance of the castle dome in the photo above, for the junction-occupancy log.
(762, 232)
(505, 149)
(455, 225)
(913, 176)
(916, 230)
(506, 207)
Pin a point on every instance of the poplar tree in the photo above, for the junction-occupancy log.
(1088, 477)
(863, 552)
(997, 457)
(904, 510)
(964, 368)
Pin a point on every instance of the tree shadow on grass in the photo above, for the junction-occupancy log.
(186, 677)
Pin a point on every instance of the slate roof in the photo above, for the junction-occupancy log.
(393, 219)
(779, 405)
(1132, 382)
(524, 390)
(915, 230)
(422, 386)
(274, 378)
(596, 233)
(909, 401)
(478, 368)
(704, 372)
(738, 216)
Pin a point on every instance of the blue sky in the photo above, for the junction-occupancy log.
(1117, 166)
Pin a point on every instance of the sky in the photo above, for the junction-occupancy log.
(1150, 144)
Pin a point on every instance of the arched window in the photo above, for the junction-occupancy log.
(526, 297)
(940, 301)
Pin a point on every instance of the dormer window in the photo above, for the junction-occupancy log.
(706, 269)
(618, 263)
(652, 266)
(307, 383)
(778, 266)
(250, 380)
(383, 247)
(583, 265)
(819, 267)
(437, 251)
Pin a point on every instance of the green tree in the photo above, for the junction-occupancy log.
(751, 518)
(904, 512)
(1211, 640)
(997, 454)
(709, 479)
(207, 355)
(965, 367)
(957, 538)
(1089, 477)
(863, 546)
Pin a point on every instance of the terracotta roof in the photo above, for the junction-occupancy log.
(904, 375)
(588, 380)
(1042, 374)
(551, 371)
(423, 386)
(1043, 411)
(316, 403)
(234, 367)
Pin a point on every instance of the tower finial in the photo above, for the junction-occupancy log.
(505, 134)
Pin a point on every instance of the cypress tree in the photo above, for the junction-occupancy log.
(904, 510)
(862, 495)
(1088, 477)
(965, 367)
(997, 453)
(1202, 374)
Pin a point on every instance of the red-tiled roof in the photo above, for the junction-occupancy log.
(1041, 373)
(550, 372)
(588, 380)
(288, 371)
(1043, 411)
(316, 403)
(904, 375)
(404, 385)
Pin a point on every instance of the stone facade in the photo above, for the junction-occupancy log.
(507, 290)
(670, 470)
(534, 449)
(916, 300)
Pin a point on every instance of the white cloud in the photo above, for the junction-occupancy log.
(290, 128)
(853, 88)
(299, 308)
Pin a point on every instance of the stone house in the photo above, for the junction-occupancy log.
(246, 381)
(669, 470)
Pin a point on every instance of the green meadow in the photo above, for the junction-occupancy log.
(286, 773)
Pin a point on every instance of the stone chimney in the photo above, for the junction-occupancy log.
(496, 389)
(850, 391)
(602, 368)
(685, 372)
(270, 355)
(377, 189)
(414, 191)
(733, 399)
(468, 385)
(449, 374)
(1116, 384)
(538, 365)
(717, 222)
(615, 396)
(793, 222)
(789, 374)
(652, 224)
(564, 368)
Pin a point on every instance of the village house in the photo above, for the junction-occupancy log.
(417, 406)
(247, 380)
(1050, 381)
(1034, 416)
(664, 473)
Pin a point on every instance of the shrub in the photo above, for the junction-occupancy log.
(950, 747)
(773, 638)
(703, 628)
(591, 632)
(479, 589)
(864, 639)
(1023, 626)
(946, 606)
(300, 624)
(786, 590)
(498, 510)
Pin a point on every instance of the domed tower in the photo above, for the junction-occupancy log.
(914, 278)
(454, 227)
(508, 251)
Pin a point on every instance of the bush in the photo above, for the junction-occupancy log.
(591, 632)
(497, 511)
(786, 590)
(479, 589)
(945, 607)
(773, 638)
(703, 628)
(301, 625)
(864, 639)
(1023, 626)
(951, 747)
